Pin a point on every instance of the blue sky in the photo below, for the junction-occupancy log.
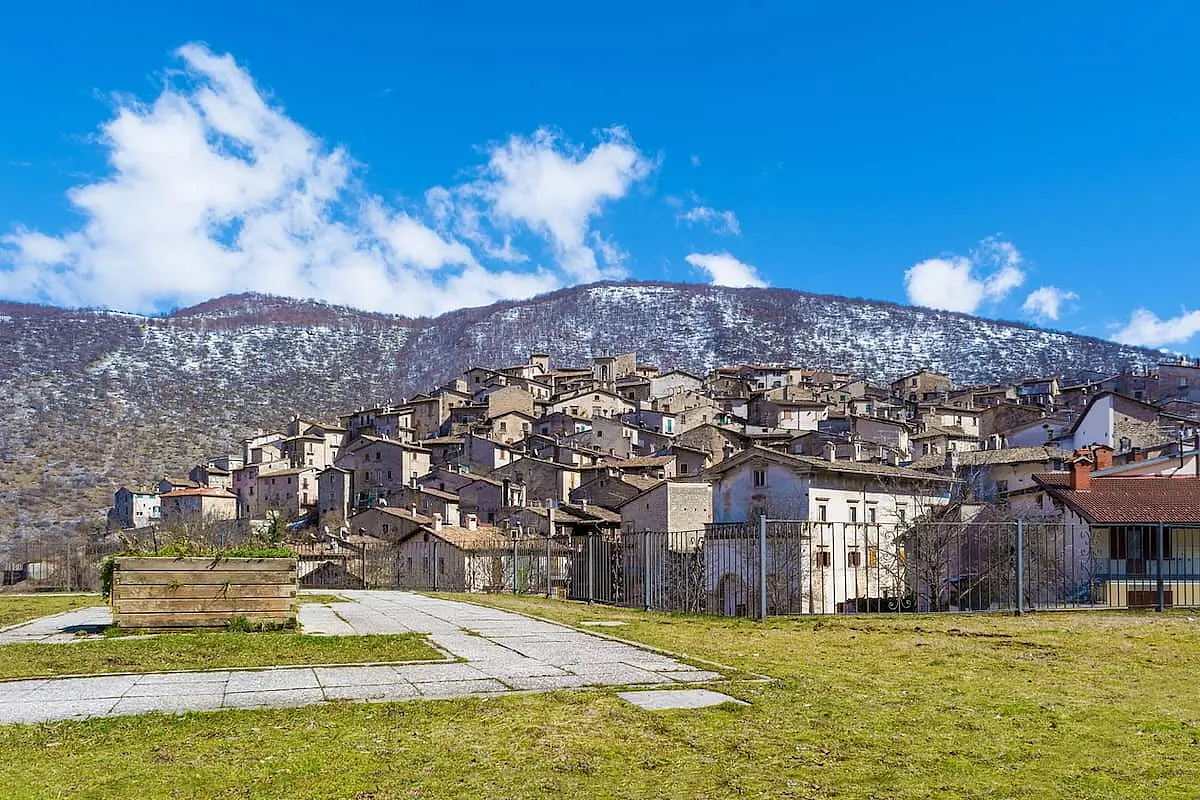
(1013, 161)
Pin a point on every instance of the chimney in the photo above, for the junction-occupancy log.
(583, 503)
(471, 521)
(830, 451)
(1081, 473)
(413, 509)
(1103, 456)
(1136, 454)
(437, 523)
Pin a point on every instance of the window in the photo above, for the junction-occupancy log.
(912, 382)
(872, 556)
(854, 558)
(822, 513)
(853, 513)
(683, 469)
(871, 514)
(377, 454)
(823, 559)
(1001, 487)
(902, 514)
(760, 478)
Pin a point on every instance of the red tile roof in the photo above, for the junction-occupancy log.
(1133, 500)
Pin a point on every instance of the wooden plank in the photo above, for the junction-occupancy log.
(234, 606)
(193, 620)
(155, 564)
(202, 591)
(201, 578)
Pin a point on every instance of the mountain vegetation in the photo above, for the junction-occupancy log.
(96, 399)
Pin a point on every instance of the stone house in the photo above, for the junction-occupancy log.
(1119, 422)
(989, 475)
(921, 386)
(590, 403)
(291, 492)
(334, 492)
(136, 508)
(668, 506)
(609, 488)
(674, 382)
(197, 505)
(542, 480)
(380, 466)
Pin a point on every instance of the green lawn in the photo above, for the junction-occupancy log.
(15, 609)
(1068, 705)
(216, 650)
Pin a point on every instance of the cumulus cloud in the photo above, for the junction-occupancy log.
(1047, 302)
(555, 190)
(962, 283)
(720, 222)
(1145, 329)
(213, 189)
(725, 270)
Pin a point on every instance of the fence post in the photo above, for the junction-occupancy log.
(646, 570)
(433, 562)
(591, 559)
(1020, 567)
(762, 567)
(549, 537)
(1158, 568)
(516, 565)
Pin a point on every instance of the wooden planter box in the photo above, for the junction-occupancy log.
(203, 592)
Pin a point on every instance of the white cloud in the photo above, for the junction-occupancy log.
(721, 222)
(555, 190)
(1047, 302)
(214, 189)
(695, 161)
(725, 270)
(1145, 329)
(962, 283)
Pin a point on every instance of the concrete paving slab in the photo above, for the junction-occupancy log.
(378, 693)
(460, 688)
(546, 683)
(270, 680)
(602, 623)
(166, 690)
(55, 710)
(678, 698)
(279, 698)
(616, 674)
(423, 673)
(171, 704)
(354, 676)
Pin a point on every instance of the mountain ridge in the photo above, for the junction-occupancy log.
(100, 398)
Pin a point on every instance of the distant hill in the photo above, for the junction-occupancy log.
(94, 399)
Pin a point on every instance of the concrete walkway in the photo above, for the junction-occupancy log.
(501, 653)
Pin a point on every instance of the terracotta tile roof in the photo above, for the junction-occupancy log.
(1138, 500)
(204, 491)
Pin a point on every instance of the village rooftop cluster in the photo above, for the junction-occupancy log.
(619, 447)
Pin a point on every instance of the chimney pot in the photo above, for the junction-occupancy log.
(437, 523)
(1081, 474)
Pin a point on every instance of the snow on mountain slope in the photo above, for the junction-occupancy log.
(97, 399)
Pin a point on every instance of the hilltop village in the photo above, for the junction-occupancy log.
(621, 445)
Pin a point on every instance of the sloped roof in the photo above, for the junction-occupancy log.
(821, 464)
(984, 458)
(1134, 500)
(204, 491)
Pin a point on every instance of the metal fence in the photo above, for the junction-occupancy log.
(780, 567)
(65, 565)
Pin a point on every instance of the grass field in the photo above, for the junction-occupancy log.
(15, 609)
(216, 650)
(1056, 706)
